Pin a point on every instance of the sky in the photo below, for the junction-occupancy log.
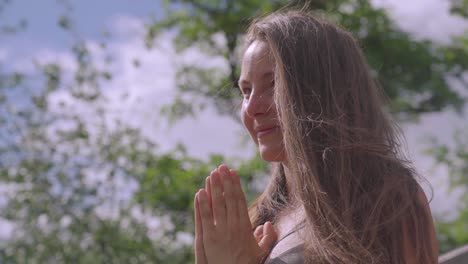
(152, 84)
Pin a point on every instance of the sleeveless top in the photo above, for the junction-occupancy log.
(294, 255)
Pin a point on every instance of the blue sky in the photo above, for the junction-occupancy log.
(91, 18)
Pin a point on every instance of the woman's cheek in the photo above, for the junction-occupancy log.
(248, 125)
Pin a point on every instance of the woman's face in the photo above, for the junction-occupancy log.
(259, 113)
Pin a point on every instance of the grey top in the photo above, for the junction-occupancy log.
(293, 255)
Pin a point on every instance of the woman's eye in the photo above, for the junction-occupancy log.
(246, 92)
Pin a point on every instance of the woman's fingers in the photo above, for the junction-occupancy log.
(208, 190)
(198, 226)
(206, 215)
(230, 197)
(218, 201)
(269, 237)
(200, 257)
(242, 202)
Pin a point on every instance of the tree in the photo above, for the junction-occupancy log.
(65, 172)
(51, 156)
(413, 73)
(453, 233)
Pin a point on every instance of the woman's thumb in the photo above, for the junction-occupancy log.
(258, 233)
(269, 237)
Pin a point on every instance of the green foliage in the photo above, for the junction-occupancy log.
(454, 233)
(50, 159)
(456, 160)
(460, 7)
(413, 73)
(205, 24)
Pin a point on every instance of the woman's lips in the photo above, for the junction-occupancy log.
(266, 131)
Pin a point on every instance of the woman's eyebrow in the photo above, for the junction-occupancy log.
(266, 75)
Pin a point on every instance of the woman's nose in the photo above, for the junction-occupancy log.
(258, 104)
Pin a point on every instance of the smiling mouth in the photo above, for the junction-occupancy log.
(266, 131)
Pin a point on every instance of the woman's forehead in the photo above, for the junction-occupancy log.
(257, 61)
(258, 52)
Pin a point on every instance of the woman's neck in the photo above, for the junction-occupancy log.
(292, 198)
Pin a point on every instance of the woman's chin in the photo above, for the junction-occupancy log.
(272, 155)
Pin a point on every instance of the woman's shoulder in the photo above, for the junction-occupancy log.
(294, 255)
(410, 246)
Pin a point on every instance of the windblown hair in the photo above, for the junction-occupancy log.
(359, 192)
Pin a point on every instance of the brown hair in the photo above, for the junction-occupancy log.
(358, 190)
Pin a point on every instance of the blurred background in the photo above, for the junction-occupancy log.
(112, 113)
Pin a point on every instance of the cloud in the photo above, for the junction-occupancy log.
(3, 54)
(152, 84)
(125, 26)
(6, 230)
(440, 126)
(136, 94)
(425, 19)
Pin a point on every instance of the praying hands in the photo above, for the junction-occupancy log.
(223, 232)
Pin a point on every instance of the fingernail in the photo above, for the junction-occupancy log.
(224, 168)
(235, 177)
(202, 194)
(215, 178)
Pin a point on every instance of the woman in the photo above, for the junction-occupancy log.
(340, 191)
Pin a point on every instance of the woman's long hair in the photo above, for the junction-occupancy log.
(358, 190)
